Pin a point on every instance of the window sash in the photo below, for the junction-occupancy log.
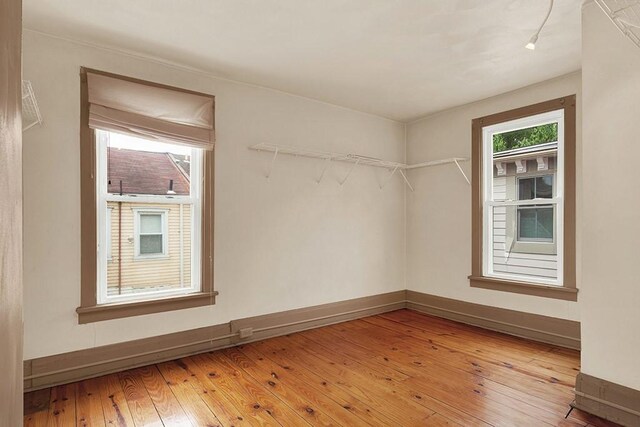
(194, 200)
(147, 215)
(489, 204)
(529, 202)
(536, 209)
(144, 241)
(534, 179)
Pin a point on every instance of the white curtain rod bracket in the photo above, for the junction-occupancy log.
(350, 170)
(324, 169)
(273, 160)
(461, 171)
(386, 181)
(406, 180)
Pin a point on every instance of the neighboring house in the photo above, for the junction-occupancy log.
(150, 245)
(524, 237)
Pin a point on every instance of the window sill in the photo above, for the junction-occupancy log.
(547, 291)
(119, 310)
(150, 257)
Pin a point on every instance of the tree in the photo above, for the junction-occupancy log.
(525, 137)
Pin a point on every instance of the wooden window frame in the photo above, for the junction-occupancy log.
(568, 290)
(89, 310)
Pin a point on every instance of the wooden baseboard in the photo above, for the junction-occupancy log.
(77, 365)
(68, 367)
(608, 400)
(561, 332)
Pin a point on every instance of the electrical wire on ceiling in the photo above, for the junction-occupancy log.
(532, 41)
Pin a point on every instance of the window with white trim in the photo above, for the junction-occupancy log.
(151, 234)
(149, 218)
(145, 147)
(523, 199)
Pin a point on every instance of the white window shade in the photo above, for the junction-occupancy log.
(151, 224)
(124, 105)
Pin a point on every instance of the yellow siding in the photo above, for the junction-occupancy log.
(139, 274)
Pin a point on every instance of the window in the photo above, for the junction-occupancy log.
(524, 200)
(154, 190)
(147, 198)
(151, 234)
(535, 223)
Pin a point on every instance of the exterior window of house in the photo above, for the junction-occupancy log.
(524, 200)
(147, 197)
(535, 223)
(151, 234)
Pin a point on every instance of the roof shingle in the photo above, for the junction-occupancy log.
(144, 172)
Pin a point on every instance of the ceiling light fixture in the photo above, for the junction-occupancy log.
(532, 41)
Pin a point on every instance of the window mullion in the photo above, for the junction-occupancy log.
(150, 199)
(530, 202)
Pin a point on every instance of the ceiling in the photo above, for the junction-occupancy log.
(400, 59)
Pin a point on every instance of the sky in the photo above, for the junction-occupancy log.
(117, 140)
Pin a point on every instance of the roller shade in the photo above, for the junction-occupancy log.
(148, 110)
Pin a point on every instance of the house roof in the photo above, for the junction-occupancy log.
(144, 172)
(183, 161)
(549, 148)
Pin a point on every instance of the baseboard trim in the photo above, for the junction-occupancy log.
(560, 332)
(74, 366)
(608, 400)
(77, 365)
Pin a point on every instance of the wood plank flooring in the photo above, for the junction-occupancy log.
(397, 369)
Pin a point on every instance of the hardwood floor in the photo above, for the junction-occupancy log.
(397, 369)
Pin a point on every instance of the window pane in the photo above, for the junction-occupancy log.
(535, 223)
(138, 166)
(130, 274)
(527, 223)
(544, 187)
(150, 224)
(544, 223)
(151, 244)
(526, 188)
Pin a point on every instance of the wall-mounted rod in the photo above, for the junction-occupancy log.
(355, 159)
(437, 162)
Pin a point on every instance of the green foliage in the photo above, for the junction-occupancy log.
(525, 137)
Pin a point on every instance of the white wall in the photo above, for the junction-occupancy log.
(282, 244)
(610, 295)
(439, 211)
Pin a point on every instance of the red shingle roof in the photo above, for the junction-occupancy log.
(144, 172)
